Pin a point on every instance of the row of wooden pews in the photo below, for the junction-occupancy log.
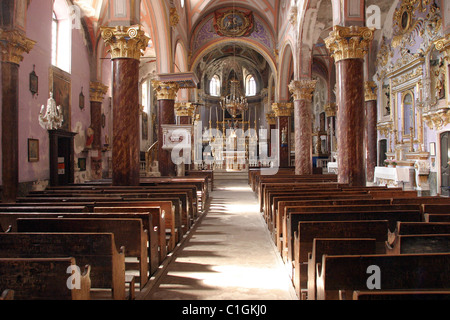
(362, 243)
(95, 241)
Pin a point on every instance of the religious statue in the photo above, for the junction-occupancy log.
(89, 137)
(284, 137)
(440, 82)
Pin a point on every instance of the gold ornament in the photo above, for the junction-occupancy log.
(165, 90)
(13, 44)
(125, 42)
(349, 42)
(302, 89)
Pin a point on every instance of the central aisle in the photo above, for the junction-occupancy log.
(228, 255)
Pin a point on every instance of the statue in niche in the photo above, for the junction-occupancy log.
(387, 98)
(89, 137)
(440, 81)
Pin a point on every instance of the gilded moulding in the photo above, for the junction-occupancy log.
(302, 89)
(184, 109)
(331, 109)
(13, 44)
(370, 92)
(271, 118)
(437, 119)
(282, 109)
(349, 42)
(125, 42)
(443, 45)
(97, 91)
(165, 90)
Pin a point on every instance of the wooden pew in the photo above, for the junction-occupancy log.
(398, 272)
(95, 249)
(160, 222)
(356, 246)
(422, 243)
(10, 218)
(43, 279)
(280, 217)
(310, 230)
(290, 225)
(127, 232)
(38, 208)
(7, 295)
(437, 217)
(436, 208)
(411, 295)
(420, 228)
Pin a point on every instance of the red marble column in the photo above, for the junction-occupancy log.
(166, 116)
(166, 93)
(371, 129)
(272, 125)
(97, 94)
(125, 155)
(350, 122)
(283, 113)
(348, 46)
(13, 44)
(302, 93)
(126, 45)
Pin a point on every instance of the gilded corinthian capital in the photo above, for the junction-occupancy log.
(282, 109)
(184, 109)
(125, 42)
(165, 90)
(349, 42)
(13, 44)
(97, 91)
(302, 89)
(370, 92)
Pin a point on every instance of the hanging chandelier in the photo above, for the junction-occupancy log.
(52, 117)
(234, 103)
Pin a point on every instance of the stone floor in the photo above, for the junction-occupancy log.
(228, 255)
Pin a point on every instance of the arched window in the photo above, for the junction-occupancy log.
(61, 36)
(250, 86)
(54, 38)
(214, 86)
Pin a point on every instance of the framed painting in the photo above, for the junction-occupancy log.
(60, 85)
(33, 150)
(233, 23)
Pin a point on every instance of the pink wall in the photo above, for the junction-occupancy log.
(39, 29)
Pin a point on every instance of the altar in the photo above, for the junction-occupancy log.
(392, 176)
(235, 160)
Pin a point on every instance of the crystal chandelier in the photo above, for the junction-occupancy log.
(234, 103)
(52, 118)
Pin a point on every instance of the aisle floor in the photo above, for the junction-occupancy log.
(228, 255)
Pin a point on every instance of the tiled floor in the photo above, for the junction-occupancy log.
(227, 256)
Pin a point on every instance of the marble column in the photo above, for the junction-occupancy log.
(166, 93)
(13, 44)
(272, 125)
(371, 128)
(97, 93)
(302, 92)
(126, 46)
(283, 113)
(330, 111)
(348, 46)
